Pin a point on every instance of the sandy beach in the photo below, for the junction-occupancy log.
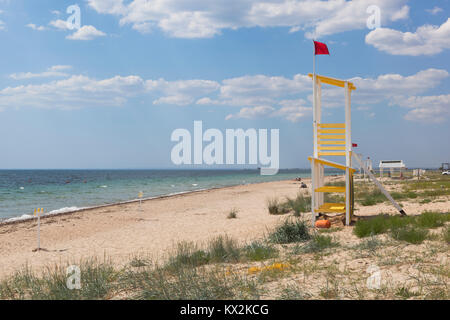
(122, 231)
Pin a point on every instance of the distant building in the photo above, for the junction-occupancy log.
(392, 165)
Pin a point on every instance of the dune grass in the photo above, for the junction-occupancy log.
(290, 231)
(435, 186)
(371, 198)
(221, 249)
(275, 206)
(187, 254)
(259, 251)
(98, 280)
(301, 203)
(232, 214)
(318, 243)
(410, 234)
(412, 229)
(187, 283)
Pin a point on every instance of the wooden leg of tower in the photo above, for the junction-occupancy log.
(313, 187)
(320, 184)
(347, 197)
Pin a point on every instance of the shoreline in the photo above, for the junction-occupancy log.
(153, 229)
(22, 219)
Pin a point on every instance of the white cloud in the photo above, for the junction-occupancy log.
(427, 40)
(353, 16)
(388, 85)
(430, 109)
(86, 33)
(385, 87)
(59, 24)
(293, 110)
(251, 113)
(434, 11)
(2, 25)
(182, 92)
(54, 71)
(290, 110)
(35, 27)
(256, 96)
(260, 89)
(73, 93)
(204, 19)
(108, 6)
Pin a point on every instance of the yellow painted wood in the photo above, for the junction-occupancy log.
(331, 125)
(331, 164)
(333, 81)
(331, 148)
(331, 154)
(331, 189)
(332, 208)
(331, 130)
(330, 136)
(334, 142)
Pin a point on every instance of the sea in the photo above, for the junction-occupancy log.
(58, 191)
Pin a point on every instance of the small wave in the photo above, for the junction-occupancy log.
(103, 186)
(21, 188)
(65, 209)
(22, 217)
(57, 211)
(195, 184)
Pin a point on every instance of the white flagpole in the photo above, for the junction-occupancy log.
(313, 163)
(314, 59)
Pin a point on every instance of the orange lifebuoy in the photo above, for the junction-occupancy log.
(323, 224)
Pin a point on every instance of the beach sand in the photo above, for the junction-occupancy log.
(120, 232)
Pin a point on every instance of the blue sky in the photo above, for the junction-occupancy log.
(109, 94)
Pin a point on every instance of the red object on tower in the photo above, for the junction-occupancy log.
(320, 48)
(354, 145)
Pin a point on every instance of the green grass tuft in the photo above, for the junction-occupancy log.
(371, 227)
(411, 228)
(300, 204)
(372, 198)
(432, 219)
(410, 234)
(187, 255)
(290, 231)
(223, 249)
(232, 214)
(258, 251)
(318, 243)
(276, 207)
(98, 279)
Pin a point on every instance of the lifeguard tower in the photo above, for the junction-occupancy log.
(331, 139)
(335, 139)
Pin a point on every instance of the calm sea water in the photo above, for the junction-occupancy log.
(66, 190)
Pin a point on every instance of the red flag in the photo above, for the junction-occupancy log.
(320, 48)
